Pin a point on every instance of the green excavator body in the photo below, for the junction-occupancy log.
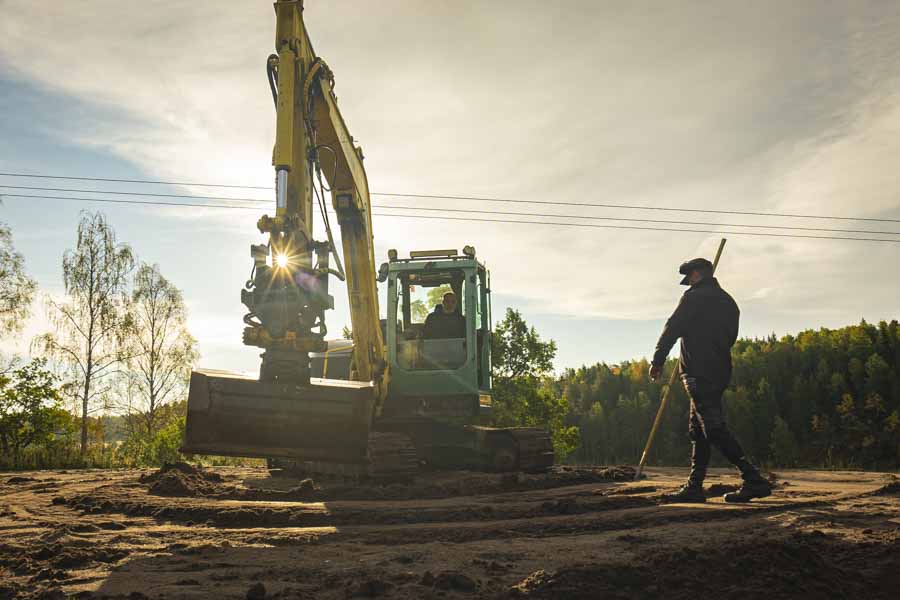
(438, 400)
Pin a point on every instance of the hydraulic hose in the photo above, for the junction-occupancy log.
(272, 76)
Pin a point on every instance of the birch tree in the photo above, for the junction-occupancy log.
(163, 349)
(92, 323)
(16, 288)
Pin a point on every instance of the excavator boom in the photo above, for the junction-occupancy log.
(286, 413)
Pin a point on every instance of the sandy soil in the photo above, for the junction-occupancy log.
(570, 533)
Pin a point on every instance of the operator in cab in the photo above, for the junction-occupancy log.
(445, 321)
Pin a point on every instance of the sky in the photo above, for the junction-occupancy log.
(761, 107)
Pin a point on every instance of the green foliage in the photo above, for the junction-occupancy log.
(16, 288)
(517, 350)
(159, 445)
(30, 411)
(417, 311)
(821, 398)
(523, 394)
(784, 445)
(436, 296)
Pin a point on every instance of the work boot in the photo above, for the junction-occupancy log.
(689, 492)
(754, 486)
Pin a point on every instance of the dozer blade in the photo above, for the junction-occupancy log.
(235, 415)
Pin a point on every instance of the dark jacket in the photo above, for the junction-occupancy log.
(706, 320)
(439, 324)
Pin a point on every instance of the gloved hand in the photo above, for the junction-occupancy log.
(655, 372)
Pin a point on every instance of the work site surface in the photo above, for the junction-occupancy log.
(571, 533)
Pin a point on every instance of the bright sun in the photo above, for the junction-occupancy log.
(281, 260)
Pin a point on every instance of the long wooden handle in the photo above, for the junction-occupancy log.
(718, 254)
(665, 397)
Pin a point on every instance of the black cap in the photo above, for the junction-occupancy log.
(696, 264)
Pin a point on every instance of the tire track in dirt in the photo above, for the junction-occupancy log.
(107, 534)
(473, 519)
(252, 515)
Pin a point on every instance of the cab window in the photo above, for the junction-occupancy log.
(430, 335)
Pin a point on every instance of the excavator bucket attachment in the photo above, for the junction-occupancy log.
(231, 414)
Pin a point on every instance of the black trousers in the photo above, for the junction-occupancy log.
(707, 428)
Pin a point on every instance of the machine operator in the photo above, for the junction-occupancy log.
(445, 321)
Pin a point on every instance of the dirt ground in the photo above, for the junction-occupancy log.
(570, 533)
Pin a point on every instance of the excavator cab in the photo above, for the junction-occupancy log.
(440, 363)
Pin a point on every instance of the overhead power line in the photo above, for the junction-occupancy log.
(637, 207)
(430, 209)
(490, 199)
(111, 179)
(594, 226)
(633, 220)
(46, 189)
(483, 220)
(117, 201)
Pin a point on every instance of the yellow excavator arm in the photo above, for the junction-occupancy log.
(311, 139)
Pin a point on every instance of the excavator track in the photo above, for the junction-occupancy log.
(516, 448)
(535, 448)
(391, 457)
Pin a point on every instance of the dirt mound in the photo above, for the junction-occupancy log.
(306, 490)
(454, 580)
(65, 556)
(18, 480)
(256, 592)
(889, 489)
(184, 469)
(803, 565)
(182, 479)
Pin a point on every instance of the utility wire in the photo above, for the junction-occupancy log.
(489, 199)
(432, 209)
(632, 220)
(116, 201)
(243, 187)
(753, 233)
(637, 207)
(46, 189)
(475, 219)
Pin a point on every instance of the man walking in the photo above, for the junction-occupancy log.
(706, 320)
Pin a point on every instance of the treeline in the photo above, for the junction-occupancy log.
(826, 398)
(106, 384)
